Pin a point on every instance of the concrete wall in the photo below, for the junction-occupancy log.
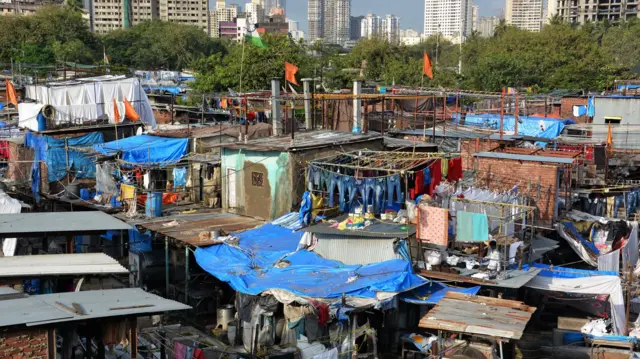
(271, 200)
(627, 108)
(28, 343)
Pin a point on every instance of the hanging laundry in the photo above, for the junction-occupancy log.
(455, 170)
(472, 227)
(180, 177)
(436, 176)
(433, 225)
(128, 192)
(445, 168)
(146, 180)
(179, 350)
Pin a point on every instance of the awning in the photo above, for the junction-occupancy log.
(60, 264)
(146, 150)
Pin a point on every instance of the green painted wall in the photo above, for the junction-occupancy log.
(277, 178)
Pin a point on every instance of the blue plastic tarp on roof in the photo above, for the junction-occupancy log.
(527, 126)
(83, 165)
(433, 292)
(250, 268)
(574, 232)
(146, 149)
(562, 272)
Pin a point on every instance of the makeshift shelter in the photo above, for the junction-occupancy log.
(146, 150)
(576, 281)
(81, 101)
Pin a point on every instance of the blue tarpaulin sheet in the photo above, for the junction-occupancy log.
(146, 149)
(433, 292)
(574, 232)
(83, 165)
(250, 268)
(527, 126)
(52, 151)
(562, 272)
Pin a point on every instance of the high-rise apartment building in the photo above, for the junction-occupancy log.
(356, 28)
(487, 25)
(255, 13)
(222, 14)
(294, 30)
(23, 7)
(525, 14)
(315, 18)
(337, 20)
(390, 29)
(330, 20)
(370, 26)
(583, 11)
(475, 13)
(269, 5)
(188, 12)
(450, 18)
(109, 15)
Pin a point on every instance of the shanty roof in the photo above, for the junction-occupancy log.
(481, 316)
(529, 158)
(456, 133)
(60, 264)
(305, 141)
(79, 306)
(187, 227)
(258, 130)
(515, 278)
(17, 225)
(392, 142)
(377, 230)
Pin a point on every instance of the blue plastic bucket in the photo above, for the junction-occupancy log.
(154, 205)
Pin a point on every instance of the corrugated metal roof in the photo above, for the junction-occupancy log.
(515, 278)
(187, 227)
(376, 230)
(482, 316)
(352, 250)
(516, 157)
(60, 264)
(305, 141)
(16, 225)
(457, 133)
(44, 309)
(401, 142)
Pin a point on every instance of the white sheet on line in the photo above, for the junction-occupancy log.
(589, 285)
(9, 205)
(58, 96)
(28, 115)
(610, 262)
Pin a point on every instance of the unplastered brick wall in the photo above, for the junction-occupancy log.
(534, 180)
(20, 344)
(566, 111)
(468, 149)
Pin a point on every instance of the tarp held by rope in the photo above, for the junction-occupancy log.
(146, 149)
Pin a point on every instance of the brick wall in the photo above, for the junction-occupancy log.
(29, 343)
(468, 148)
(535, 180)
(566, 110)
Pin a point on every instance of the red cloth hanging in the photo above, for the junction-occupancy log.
(436, 176)
(455, 170)
(4, 150)
(419, 187)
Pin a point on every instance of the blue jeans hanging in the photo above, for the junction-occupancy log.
(393, 186)
(346, 184)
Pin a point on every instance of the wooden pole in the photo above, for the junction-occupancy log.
(628, 299)
(516, 115)
(501, 114)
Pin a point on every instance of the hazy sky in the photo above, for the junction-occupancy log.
(411, 12)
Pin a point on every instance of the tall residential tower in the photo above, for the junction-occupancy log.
(524, 14)
(450, 18)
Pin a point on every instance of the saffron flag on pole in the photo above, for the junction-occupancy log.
(610, 139)
(116, 112)
(427, 69)
(255, 39)
(130, 112)
(290, 72)
(105, 57)
(12, 97)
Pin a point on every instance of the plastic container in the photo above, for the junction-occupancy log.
(85, 194)
(154, 205)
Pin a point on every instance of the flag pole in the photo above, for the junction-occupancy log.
(424, 122)
(242, 61)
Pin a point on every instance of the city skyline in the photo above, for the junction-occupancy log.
(411, 14)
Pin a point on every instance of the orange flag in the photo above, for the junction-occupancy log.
(116, 112)
(610, 139)
(427, 70)
(11, 93)
(130, 112)
(290, 72)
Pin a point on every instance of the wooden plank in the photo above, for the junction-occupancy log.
(490, 301)
(455, 277)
